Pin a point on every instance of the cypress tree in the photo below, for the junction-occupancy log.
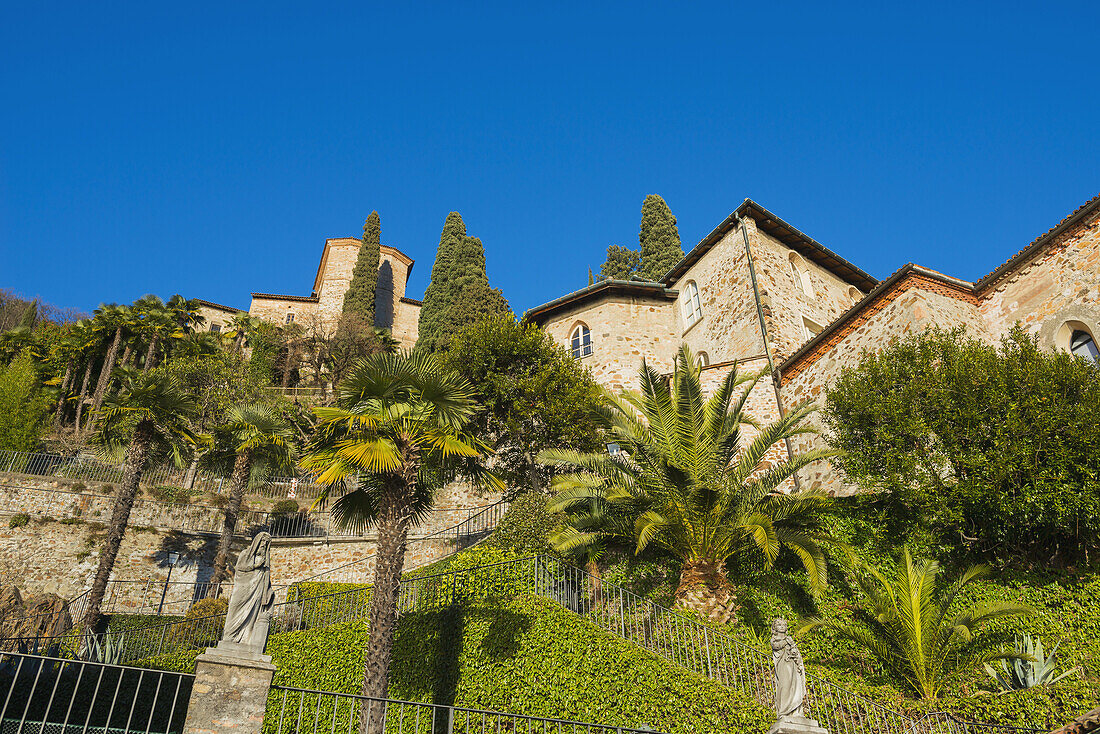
(658, 239)
(359, 299)
(459, 291)
(621, 263)
(591, 280)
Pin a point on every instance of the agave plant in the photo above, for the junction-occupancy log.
(105, 648)
(1029, 667)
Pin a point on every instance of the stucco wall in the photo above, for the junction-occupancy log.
(624, 330)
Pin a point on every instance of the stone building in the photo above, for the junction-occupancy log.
(393, 310)
(757, 292)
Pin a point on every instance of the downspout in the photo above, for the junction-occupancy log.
(767, 347)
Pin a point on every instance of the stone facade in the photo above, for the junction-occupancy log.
(321, 309)
(820, 312)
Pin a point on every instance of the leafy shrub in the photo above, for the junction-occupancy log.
(202, 625)
(217, 500)
(985, 449)
(19, 520)
(78, 486)
(524, 655)
(168, 493)
(525, 527)
(285, 507)
(321, 603)
(22, 404)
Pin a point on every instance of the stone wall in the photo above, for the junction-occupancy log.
(60, 557)
(729, 328)
(913, 304)
(624, 330)
(275, 309)
(785, 304)
(1059, 286)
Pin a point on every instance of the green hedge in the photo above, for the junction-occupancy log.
(526, 655)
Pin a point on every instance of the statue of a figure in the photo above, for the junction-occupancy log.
(790, 684)
(790, 673)
(253, 598)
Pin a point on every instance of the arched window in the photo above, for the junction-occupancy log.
(854, 295)
(801, 275)
(1082, 344)
(580, 341)
(704, 360)
(690, 303)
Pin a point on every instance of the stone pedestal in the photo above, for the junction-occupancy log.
(230, 693)
(797, 725)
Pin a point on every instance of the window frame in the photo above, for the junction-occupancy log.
(580, 341)
(691, 304)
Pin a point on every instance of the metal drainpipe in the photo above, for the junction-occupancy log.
(767, 347)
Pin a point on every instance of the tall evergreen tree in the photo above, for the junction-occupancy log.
(658, 239)
(621, 264)
(591, 280)
(459, 291)
(359, 299)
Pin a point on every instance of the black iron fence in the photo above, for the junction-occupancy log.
(298, 710)
(50, 695)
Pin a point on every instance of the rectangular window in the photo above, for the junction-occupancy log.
(290, 318)
(215, 328)
(810, 329)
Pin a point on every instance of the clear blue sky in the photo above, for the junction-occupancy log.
(210, 148)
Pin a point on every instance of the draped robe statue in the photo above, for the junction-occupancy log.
(790, 684)
(252, 599)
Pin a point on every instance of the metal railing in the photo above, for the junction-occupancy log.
(41, 694)
(298, 710)
(92, 469)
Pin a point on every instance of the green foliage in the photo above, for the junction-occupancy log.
(459, 291)
(201, 622)
(18, 520)
(1030, 666)
(22, 405)
(218, 382)
(691, 485)
(525, 529)
(658, 239)
(285, 507)
(269, 346)
(532, 394)
(908, 623)
(622, 263)
(359, 298)
(524, 655)
(990, 450)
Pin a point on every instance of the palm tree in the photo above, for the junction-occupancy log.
(907, 626)
(260, 442)
(148, 415)
(157, 321)
(187, 313)
(113, 320)
(240, 327)
(691, 481)
(399, 421)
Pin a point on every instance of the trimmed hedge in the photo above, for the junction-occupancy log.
(526, 655)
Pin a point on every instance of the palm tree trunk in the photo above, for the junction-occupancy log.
(705, 588)
(394, 518)
(83, 392)
(127, 353)
(59, 413)
(242, 469)
(136, 457)
(105, 373)
(192, 473)
(151, 353)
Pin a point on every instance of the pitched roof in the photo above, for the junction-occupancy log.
(772, 225)
(218, 306)
(1041, 242)
(279, 297)
(601, 289)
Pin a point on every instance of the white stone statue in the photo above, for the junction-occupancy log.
(790, 684)
(252, 599)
